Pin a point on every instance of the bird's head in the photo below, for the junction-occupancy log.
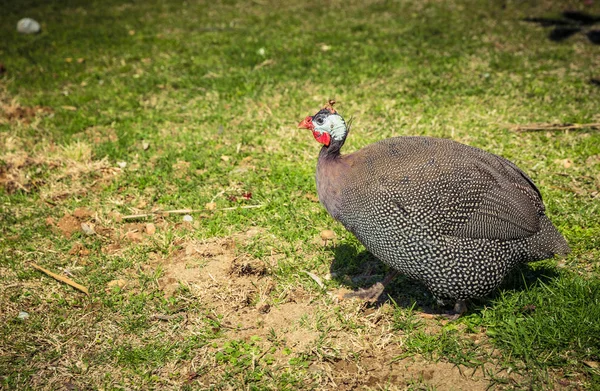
(327, 126)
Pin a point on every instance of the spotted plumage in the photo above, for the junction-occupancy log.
(452, 216)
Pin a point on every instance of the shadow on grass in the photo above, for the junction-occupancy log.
(571, 23)
(357, 270)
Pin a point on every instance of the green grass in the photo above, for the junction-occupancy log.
(216, 89)
(546, 325)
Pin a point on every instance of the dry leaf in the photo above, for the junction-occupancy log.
(211, 206)
(327, 234)
(70, 108)
(592, 364)
(311, 197)
(225, 158)
(316, 278)
(120, 283)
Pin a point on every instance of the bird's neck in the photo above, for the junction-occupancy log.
(330, 170)
(332, 152)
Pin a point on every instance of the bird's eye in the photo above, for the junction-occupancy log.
(320, 121)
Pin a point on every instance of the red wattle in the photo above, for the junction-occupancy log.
(324, 138)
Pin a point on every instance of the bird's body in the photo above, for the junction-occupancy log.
(452, 216)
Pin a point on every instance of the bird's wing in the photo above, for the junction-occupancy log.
(489, 198)
(451, 188)
(465, 191)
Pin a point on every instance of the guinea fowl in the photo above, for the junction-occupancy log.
(452, 216)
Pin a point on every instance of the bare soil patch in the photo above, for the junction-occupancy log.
(239, 291)
(375, 372)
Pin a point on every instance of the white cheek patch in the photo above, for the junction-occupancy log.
(336, 127)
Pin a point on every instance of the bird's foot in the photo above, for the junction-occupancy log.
(459, 308)
(370, 294)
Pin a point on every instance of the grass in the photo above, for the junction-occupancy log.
(120, 108)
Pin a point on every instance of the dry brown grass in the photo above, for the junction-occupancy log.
(55, 171)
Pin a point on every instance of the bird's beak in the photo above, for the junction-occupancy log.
(306, 123)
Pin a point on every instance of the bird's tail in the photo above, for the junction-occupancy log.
(548, 242)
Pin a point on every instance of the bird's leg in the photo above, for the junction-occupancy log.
(372, 293)
(459, 308)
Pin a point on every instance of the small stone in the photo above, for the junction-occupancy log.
(225, 158)
(122, 164)
(188, 218)
(150, 229)
(23, 315)
(145, 145)
(265, 308)
(88, 229)
(28, 26)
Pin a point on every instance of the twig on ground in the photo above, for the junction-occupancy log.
(542, 127)
(60, 278)
(185, 211)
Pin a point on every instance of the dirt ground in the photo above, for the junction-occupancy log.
(238, 290)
